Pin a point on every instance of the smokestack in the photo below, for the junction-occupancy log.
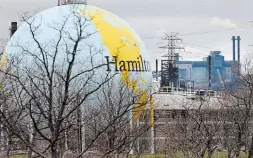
(156, 69)
(209, 60)
(13, 29)
(238, 48)
(233, 40)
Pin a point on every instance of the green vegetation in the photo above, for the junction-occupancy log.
(215, 155)
(16, 156)
(151, 156)
(19, 156)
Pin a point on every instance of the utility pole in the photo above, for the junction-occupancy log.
(169, 70)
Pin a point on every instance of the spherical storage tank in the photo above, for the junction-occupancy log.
(106, 39)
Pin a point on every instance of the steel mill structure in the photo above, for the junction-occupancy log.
(169, 69)
(211, 73)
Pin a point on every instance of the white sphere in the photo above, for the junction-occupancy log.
(110, 40)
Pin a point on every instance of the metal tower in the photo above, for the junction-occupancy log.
(66, 2)
(169, 70)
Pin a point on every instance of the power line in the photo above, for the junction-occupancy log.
(187, 44)
(214, 31)
(242, 25)
(205, 31)
(206, 47)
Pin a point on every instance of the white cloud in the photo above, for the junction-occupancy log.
(161, 32)
(194, 53)
(222, 23)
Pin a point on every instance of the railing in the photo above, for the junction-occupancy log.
(65, 2)
(165, 89)
(218, 94)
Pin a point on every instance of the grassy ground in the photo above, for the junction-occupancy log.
(215, 155)
(19, 156)
(16, 156)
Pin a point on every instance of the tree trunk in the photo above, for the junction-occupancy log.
(251, 147)
(202, 155)
(31, 141)
(66, 141)
(209, 154)
(209, 150)
(239, 140)
(79, 131)
(229, 154)
(30, 153)
(53, 152)
(8, 146)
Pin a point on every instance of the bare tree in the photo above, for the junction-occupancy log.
(193, 127)
(113, 113)
(236, 125)
(238, 102)
(50, 83)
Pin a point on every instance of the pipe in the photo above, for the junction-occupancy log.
(13, 29)
(233, 40)
(238, 48)
(156, 69)
(209, 72)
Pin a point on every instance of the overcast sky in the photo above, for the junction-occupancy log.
(151, 18)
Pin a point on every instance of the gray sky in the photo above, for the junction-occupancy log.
(151, 18)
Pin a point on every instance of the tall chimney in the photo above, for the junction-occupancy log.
(13, 29)
(209, 61)
(238, 48)
(156, 69)
(233, 40)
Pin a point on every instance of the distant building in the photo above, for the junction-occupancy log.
(198, 71)
(174, 114)
(212, 72)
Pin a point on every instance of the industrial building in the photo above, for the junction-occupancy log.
(211, 73)
(173, 113)
(197, 72)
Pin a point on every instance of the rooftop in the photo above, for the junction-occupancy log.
(175, 101)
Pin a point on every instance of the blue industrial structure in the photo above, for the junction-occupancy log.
(198, 71)
(212, 73)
